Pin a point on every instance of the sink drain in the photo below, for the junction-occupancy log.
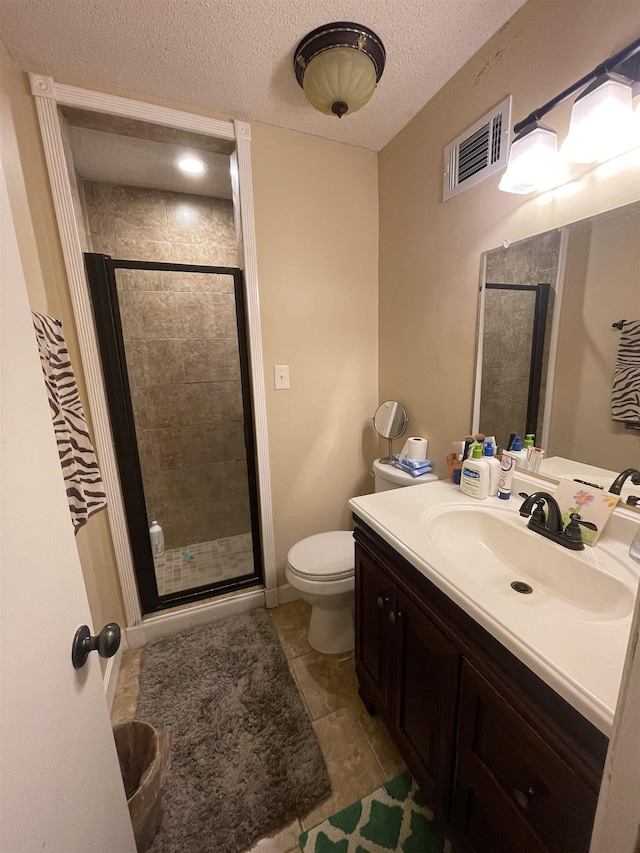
(521, 586)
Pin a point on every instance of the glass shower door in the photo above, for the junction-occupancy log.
(181, 411)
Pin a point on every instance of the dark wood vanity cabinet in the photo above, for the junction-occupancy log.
(506, 764)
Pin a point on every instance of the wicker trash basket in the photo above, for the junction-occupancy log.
(145, 756)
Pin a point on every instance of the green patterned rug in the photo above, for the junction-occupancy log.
(395, 817)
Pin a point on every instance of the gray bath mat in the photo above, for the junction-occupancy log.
(245, 758)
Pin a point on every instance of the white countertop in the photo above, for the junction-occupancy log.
(580, 660)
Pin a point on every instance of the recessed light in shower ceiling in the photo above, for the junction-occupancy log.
(191, 165)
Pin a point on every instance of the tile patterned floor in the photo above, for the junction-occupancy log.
(359, 752)
(214, 561)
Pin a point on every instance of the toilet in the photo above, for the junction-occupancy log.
(321, 568)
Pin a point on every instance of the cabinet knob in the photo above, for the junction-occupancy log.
(393, 616)
(382, 601)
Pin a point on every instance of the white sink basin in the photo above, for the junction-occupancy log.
(495, 548)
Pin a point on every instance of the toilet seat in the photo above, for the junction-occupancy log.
(323, 557)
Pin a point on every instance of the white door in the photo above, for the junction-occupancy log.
(60, 784)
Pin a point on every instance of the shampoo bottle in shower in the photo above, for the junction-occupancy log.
(157, 539)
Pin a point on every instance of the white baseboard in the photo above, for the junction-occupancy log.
(110, 676)
(287, 593)
(271, 598)
(163, 624)
(135, 636)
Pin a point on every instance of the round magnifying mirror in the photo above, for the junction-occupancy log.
(390, 421)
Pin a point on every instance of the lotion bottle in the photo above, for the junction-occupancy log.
(494, 468)
(474, 478)
(157, 539)
(507, 467)
(519, 453)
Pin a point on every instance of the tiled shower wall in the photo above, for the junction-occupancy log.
(532, 261)
(182, 355)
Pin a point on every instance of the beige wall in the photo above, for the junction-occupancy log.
(317, 234)
(430, 251)
(41, 255)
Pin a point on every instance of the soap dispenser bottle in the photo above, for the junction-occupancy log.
(474, 477)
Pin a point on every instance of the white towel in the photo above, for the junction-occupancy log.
(82, 479)
(625, 395)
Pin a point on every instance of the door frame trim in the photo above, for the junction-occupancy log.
(48, 95)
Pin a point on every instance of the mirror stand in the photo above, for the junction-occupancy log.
(390, 421)
(388, 460)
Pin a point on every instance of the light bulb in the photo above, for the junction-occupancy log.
(191, 165)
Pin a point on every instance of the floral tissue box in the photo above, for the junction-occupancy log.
(594, 505)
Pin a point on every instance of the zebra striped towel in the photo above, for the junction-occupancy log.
(85, 490)
(625, 397)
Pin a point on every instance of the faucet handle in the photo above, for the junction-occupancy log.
(572, 530)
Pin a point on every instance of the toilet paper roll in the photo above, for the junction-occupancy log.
(417, 448)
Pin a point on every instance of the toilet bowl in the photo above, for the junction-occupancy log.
(321, 569)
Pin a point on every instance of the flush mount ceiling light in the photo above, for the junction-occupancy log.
(338, 66)
(190, 165)
(601, 125)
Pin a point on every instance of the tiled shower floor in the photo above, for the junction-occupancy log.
(214, 561)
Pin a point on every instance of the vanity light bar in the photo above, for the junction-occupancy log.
(601, 125)
(614, 62)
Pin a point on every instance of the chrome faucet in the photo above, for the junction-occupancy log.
(616, 487)
(549, 524)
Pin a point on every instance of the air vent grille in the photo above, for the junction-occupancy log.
(472, 154)
(478, 152)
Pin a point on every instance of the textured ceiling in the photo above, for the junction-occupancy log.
(235, 56)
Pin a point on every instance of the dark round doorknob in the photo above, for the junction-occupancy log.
(106, 643)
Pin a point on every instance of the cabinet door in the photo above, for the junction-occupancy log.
(374, 600)
(510, 781)
(426, 682)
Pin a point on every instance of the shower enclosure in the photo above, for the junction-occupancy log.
(175, 363)
(514, 359)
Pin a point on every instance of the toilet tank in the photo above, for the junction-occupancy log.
(388, 477)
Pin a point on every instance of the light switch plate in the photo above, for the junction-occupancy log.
(280, 376)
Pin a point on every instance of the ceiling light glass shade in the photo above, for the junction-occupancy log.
(338, 65)
(601, 121)
(339, 76)
(533, 160)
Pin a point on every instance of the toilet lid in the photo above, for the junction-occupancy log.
(325, 556)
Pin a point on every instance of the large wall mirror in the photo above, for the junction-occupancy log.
(547, 343)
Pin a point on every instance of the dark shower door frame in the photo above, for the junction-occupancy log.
(538, 333)
(101, 276)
